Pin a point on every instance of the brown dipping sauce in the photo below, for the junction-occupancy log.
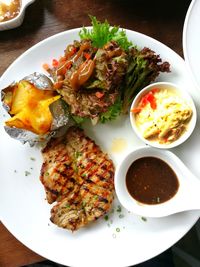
(150, 180)
(8, 12)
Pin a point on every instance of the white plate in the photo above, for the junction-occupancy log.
(25, 212)
(191, 40)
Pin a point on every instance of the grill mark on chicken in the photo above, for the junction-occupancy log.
(79, 177)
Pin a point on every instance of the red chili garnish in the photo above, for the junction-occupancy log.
(62, 60)
(144, 101)
(153, 104)
(68, 65)
(87, 55)
(151, 99)
(99, 94)
(155, 90)
(136, 110)
(148, 98)
(55, 63)
(165, 139)
(72, 51)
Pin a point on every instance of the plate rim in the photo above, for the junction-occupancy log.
(184, 42)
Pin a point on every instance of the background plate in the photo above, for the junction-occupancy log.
(191, 40)
(122, 240)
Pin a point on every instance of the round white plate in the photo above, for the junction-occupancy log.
(191, 40)
(122, 240)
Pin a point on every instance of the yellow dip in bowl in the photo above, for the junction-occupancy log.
(161, 115)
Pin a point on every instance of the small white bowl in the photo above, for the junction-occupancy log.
(179, 91)
(187, 196)
(17, 21)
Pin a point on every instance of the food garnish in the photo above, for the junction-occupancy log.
(162, 115)
(102, 33)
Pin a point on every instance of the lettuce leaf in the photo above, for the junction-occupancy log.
(102, 33)
(143, 68)
(144, 65)
(112, 113)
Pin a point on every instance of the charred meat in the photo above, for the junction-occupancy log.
(79, 177)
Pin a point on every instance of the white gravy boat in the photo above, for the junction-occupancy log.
(186, 198)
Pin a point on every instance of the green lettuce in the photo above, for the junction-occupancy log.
(142, 67)
(102, 33)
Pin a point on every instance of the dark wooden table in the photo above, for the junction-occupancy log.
(162, 20)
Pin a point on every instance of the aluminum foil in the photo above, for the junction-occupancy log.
(5, 91)
(40, 81)
(27, 136)
(59, 110)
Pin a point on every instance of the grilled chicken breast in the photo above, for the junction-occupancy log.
(79, 177)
